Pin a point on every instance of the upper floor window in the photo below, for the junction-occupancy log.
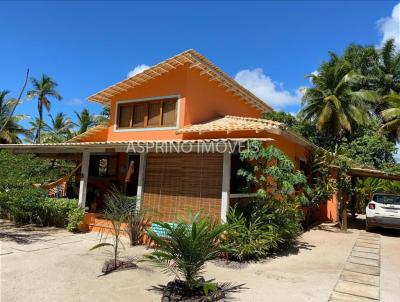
(151, 114)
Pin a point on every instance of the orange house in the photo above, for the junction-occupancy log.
(172, 140)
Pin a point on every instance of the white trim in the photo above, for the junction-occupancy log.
(142, 170)
(84, 178)
(226, 182)
(178, 111)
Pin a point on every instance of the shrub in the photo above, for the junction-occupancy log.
(272, 220)
(261, 228)
(31, 205)
(22, 205)
(185, 247)
(75, 218)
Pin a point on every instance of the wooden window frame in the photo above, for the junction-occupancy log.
(131, 105)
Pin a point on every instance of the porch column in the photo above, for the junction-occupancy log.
(84, 178)
(226, 182)
(142, 170)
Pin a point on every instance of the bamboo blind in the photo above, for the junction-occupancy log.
(177, 183)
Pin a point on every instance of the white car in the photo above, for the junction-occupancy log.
(383, 211)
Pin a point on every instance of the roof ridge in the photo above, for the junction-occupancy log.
(192, 57)
(87, 132)
(262, 120)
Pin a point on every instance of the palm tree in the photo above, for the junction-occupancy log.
(85, 120)
(391, 116)
(387, 76)
(42, 90)
(31, 133)
(60, 128)
(104, 117)
(335, 102)
(9, 135)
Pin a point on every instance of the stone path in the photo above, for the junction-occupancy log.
(359, 280)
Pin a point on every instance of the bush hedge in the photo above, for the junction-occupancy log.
(261, 228)
(31, 205)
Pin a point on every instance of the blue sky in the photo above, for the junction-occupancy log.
(268, 46)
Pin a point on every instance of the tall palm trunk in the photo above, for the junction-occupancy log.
(40, 110)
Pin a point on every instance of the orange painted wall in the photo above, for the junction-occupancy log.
(174, 83)
(206, 101)
(201, 100)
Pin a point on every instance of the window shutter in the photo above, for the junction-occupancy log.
(139, 113)
(154, 114)
(169, 114)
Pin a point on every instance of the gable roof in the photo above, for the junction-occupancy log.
(98, 133)
(195, 60)
(232, 123)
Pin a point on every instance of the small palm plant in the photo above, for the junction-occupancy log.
(182, 249)
(117, 211)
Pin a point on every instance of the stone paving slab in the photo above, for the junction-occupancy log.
(364, 269)
(370, 241)
(370, 245)
(366, 250)
(358, 289)
(360, 278)
(363, 233)
(365, 261)
(365, 255)
(340, 297)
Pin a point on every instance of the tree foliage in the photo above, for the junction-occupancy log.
(43, 90)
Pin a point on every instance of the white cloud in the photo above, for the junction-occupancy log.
(390, 26)
(137, 69)
(269, 91)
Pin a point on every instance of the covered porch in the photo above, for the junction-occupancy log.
(166, 183)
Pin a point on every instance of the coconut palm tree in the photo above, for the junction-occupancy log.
(42, 90)
(335, 102)
(85, 120)
(31, 133)
(9, 135)
(60, 128)
(391, 116)
(386, 78)
(104, 117)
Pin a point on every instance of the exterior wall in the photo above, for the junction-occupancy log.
(174, 83)
(201, 100)
(176, 183)
(207, 101)
(328, 210)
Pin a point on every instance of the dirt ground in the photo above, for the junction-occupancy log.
(54, 265)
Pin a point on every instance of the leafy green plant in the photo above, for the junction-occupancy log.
(185, 247)
(75, 218)
(264, 224)
(250, 238)
(136, 223)
(260, 228)
(117, 211)
(31, 205)
(272, 172)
